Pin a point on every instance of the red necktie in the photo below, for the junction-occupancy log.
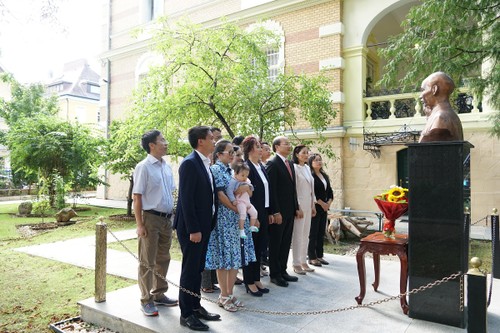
(288, 167)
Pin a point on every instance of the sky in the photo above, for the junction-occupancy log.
(32, 49)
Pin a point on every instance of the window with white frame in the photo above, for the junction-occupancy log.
(151, 9)
(273, 63)
(275, 57)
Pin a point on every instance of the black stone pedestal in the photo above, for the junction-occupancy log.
(438, 243)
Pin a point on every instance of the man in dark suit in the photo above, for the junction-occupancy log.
(194, 220)
(285, 207)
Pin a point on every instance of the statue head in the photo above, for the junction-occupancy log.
(436, 89)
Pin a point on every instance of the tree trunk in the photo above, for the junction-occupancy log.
(52, 194)
(129, 198)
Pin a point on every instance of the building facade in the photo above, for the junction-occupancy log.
(78, 94)
(339, 37)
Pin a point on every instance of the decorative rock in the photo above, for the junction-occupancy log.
(25, 208)
(65, 214)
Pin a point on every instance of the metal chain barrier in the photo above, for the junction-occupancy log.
(493, 234)
(482, 219)
(306, 313)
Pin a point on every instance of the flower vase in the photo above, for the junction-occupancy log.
(388, 229)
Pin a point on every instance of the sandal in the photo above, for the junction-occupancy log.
(236, 301)
(227, 304)
(207, 290)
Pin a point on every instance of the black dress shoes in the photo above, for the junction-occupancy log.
(289, 278)
(279, 282)
(202, 313)
(193, 323)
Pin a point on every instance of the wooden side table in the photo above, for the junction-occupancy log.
(378, 244)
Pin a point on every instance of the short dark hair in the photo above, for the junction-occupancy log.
(196, 133)
(215, 129)
(297, 150)
(239, 167)
(237, 140)
(149, 137)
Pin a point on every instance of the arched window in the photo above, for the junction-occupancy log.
(145, 62)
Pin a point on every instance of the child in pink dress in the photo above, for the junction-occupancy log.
(242, 201)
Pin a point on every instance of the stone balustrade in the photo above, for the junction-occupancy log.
(408, 105)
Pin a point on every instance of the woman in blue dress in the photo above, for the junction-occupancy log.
(224, 247)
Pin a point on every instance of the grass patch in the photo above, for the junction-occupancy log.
(34, 291)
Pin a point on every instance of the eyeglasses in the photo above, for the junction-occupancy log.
(228, 152)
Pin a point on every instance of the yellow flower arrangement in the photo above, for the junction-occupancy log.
(394, 194)
(393, 203)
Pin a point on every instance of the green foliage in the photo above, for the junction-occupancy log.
(41, 207)
(60, 200)
(43, 145)
(47, 146)
(456, 37)
(26, 102)
(220, 76)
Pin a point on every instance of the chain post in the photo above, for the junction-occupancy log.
(100, 260)
(495, 244)
(476, 298)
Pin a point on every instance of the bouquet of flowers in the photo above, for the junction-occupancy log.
(393, 203)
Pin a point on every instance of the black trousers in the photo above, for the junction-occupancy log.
(280, 239)
(251, 273)
(193, 264)
(317, 234)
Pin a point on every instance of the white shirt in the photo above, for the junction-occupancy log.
(266, 184)
(206, 162)
(153, 179)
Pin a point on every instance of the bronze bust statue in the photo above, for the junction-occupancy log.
(443, 123)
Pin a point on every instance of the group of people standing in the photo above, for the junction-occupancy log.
(288, 206)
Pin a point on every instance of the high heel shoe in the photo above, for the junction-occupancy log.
(263, 290)
(257, 293)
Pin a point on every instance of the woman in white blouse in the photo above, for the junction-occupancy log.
(305, 196)
(260, 199)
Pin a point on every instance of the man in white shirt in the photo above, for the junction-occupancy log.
(153, 207)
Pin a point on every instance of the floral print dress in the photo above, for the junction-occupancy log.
(224, 246)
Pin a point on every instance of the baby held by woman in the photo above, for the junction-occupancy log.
(242, 201)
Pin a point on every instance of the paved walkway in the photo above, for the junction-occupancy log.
(328, 289)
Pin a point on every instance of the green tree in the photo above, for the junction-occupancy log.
(47, 146)
(220, 76)
(25, 102)
(456, 37)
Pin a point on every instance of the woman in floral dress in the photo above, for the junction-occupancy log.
(224, 250)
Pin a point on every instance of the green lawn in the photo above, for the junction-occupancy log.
(35, 292)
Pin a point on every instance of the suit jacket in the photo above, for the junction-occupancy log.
(320, 191)
(258, 198)
(282, 186)
(196, 198)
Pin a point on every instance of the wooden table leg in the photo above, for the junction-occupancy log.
(376, 267)
(403, 280)
(361, 273)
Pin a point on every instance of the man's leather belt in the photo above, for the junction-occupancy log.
(154, 212)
